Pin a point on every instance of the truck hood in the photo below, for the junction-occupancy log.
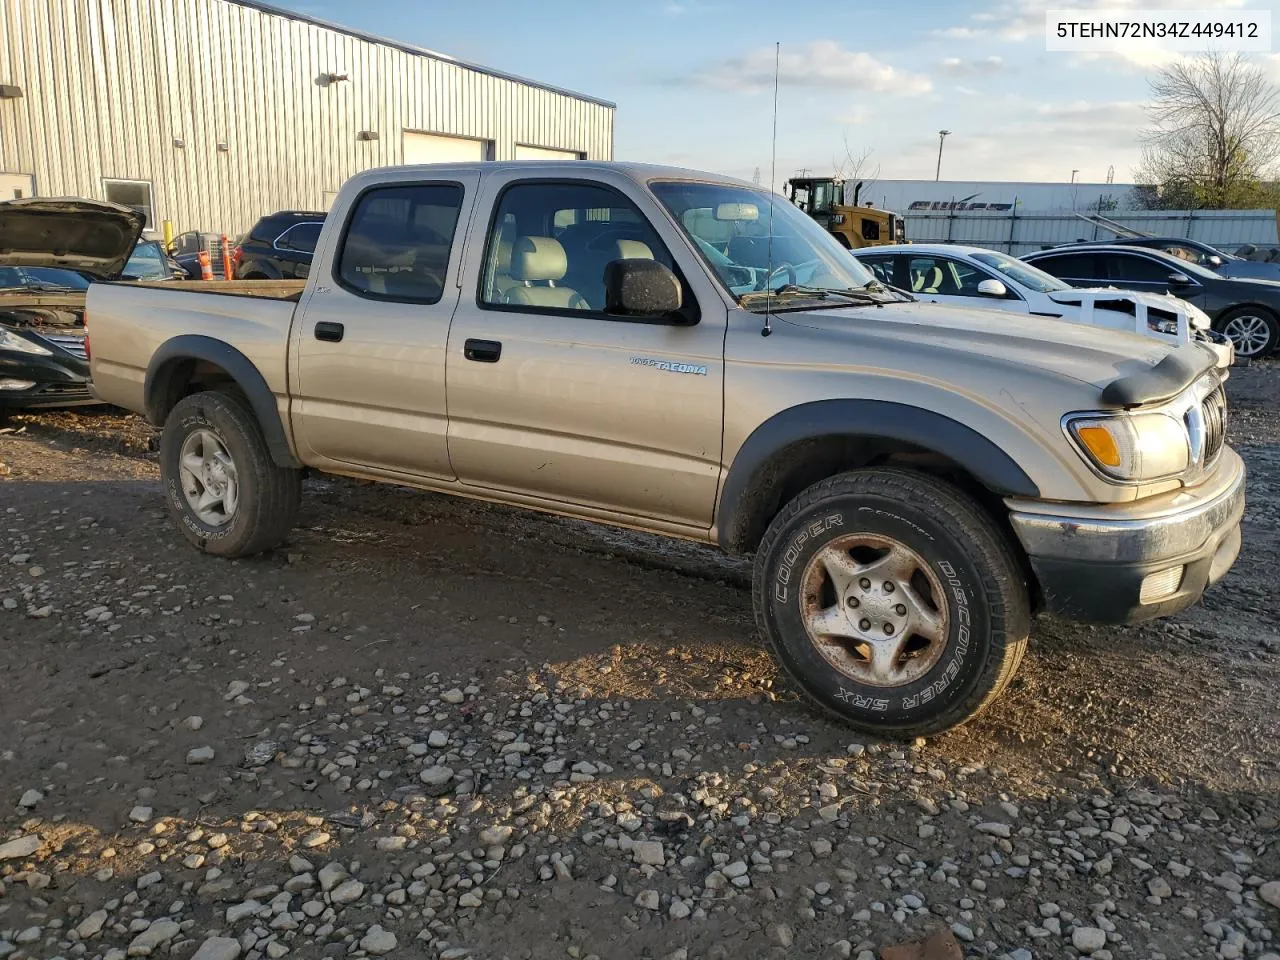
(91, 236)
(1085, 354)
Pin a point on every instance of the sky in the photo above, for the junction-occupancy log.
(693, 79)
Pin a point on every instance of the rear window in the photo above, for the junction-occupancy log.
(398, 241)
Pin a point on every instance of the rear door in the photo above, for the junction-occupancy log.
(295, 248)
(1077, 269)
(369, 376)
(552, 398)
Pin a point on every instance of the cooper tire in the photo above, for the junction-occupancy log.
(221, 428)
(929, 576)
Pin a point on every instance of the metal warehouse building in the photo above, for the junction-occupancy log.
(211, 113)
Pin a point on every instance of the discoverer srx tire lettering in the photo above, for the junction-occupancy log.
(892, 600)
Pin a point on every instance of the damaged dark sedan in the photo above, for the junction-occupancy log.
(50, 251)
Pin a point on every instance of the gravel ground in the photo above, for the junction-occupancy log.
(432, 728)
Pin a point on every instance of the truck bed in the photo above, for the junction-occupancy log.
(267, 289)
(128, 322)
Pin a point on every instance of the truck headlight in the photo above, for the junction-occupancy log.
(1132, 447)
(11, 341)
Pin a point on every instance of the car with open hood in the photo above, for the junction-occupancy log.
(693, 356)
(50, 252)
(1246, 311)
(967, 276)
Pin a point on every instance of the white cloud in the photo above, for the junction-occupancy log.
(978, 67)
(961, 33)
(857, 114)
(1031, 141)
(822, 63)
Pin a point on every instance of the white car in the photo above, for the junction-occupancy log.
(978, 277)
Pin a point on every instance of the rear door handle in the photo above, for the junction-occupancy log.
(482, 351)
(326, 330)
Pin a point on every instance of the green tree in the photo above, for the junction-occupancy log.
(1214, 137)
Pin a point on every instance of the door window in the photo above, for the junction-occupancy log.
(551, 241)
(301, 238)
(1132, 268)
(398, 240)
(1074, 266)
(945, 277)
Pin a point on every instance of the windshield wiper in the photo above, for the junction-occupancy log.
(799, 291)
(51, 288)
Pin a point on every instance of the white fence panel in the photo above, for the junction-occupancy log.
(1020, 233)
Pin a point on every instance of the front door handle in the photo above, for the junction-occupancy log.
(482, 351)
(328, 331)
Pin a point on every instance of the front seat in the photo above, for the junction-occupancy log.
(932, 281)
(537, 263)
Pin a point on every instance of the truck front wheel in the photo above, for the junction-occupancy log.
(892, 600)
(226, 493)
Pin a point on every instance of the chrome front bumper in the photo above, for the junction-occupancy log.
(1139, 560)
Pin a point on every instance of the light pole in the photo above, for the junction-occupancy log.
(1073, 175)
(942, 135)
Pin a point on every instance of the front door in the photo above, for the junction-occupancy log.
(1133, 271)
(369, 383)
(16, 186)
(938, 279)
(553, 398)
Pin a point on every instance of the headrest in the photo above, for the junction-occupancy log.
(538, 258)
(631, 250)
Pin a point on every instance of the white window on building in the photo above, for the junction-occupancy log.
(525, 152)
(15, 186)
(135, 194)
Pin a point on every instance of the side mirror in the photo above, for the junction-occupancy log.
(641, 288)
(1179, 280)
(992, 288)
(1215, 260)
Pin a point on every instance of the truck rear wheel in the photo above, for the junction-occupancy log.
(892, 601)
(226, 493)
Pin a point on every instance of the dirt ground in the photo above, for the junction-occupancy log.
(489, 733)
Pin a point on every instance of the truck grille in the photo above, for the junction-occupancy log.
(73, 345)
(1213, 410)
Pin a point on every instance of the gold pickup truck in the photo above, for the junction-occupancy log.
(693, 356)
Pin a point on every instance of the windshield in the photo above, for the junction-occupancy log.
(53, 277)
(147, 263)
(1031, 277)
(730, 227)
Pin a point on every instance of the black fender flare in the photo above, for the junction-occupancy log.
(166, 360)
(749, 474)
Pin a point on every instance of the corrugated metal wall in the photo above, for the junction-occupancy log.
(110, 85)
(1027, 232)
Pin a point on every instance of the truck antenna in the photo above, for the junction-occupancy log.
(773, 179)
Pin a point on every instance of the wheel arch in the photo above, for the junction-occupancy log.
(189, 363)
(812, 441)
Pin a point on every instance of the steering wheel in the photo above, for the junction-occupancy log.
(786, 268)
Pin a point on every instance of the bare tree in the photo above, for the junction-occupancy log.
(856, 167)
(1215, 133)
